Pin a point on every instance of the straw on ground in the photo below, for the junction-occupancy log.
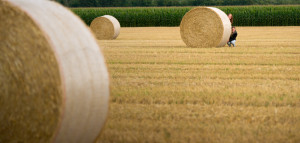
(162, 91)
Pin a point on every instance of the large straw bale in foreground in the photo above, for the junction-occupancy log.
(205, 27)
(105, 27)
(54, 82)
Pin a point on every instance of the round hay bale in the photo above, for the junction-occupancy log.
(106, 27)
(205, 27)
(54, 81)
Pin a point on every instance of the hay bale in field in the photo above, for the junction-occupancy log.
(54, 81)
(105, 27)
(205, 27)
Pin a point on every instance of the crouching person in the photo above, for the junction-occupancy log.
(232, 38)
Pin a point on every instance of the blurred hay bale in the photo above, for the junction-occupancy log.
(105, 27)
(54, 82)
(205, 27)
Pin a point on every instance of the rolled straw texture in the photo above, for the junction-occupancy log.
(54, 81)
(105, 27)
(205, 27)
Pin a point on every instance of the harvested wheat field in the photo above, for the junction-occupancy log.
(163, 91)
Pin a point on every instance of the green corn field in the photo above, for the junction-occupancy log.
(171, 16)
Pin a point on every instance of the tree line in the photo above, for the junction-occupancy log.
(160, 3)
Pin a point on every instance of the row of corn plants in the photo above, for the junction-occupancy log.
(171, 16)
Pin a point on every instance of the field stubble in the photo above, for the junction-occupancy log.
(163, 91)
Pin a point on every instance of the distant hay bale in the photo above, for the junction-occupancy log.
(105, 27)
(54, 82)
(205, 27)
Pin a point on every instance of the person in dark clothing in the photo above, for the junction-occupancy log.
(232, 38)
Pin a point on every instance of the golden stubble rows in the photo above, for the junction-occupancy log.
(162, 91)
